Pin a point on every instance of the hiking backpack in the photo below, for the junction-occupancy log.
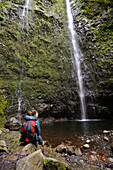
(28, 131)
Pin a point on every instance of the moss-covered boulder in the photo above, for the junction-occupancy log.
(12, 138)
(13, 124)
(37, 160)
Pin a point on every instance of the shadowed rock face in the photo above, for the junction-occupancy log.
(35, 62)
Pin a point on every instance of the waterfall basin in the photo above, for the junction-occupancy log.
(72, 131)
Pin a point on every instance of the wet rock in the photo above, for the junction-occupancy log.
(106, 131)
(28, 149)
(88, 141)
(61, 148)
(81, 161)
(106, 138)
(70, 151)
(37, 160)
(13, 124)
(3, 146)
(86, 146)
(78, 152)
(111, 159)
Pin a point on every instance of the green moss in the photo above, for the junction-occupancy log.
(49, 164)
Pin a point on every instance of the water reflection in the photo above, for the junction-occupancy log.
(69, 131)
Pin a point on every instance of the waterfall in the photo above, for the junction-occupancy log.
(19, 95)
(24, 15)
(76, 59)
(24, 18)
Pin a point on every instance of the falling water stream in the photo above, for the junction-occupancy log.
(24, 15)
(76, 59)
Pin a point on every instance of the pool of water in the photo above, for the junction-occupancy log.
(68, 131)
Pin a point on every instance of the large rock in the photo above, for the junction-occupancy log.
(3, 146)
(37, 161)
(13, 124)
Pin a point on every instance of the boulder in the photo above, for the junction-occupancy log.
(3, 146)
(13, 124)
(61, 148)
(37, 160)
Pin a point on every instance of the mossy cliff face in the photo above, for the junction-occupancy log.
(35, 62)
(94, 25)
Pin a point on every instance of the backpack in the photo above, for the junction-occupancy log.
(28, 131)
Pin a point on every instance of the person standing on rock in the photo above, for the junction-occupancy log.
(31, 131)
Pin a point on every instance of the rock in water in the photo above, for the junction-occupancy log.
(13, 124)
(106, 138)
(86, 146)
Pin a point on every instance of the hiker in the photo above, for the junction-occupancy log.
(31, 129)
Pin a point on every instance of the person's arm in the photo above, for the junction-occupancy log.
(38, 130)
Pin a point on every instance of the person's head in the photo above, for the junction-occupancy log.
(34, 113)
(29, 113)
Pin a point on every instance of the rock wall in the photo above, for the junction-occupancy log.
(94, 25)
(35, 62)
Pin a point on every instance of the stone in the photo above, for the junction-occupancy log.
(70, 151)
(3, 146)
(111, 159)
(106, 138)
(86, 146)
(33, 161)
(37, 160)
(0, 132)
(61, 148)
(81, 161)
(106, 131)
(13, 124)
(78, 152)
(18, 150)
(4, 130)
(28, 149)
(11, 158)
(111, 146)
(88, 141)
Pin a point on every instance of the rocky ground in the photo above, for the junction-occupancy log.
(92, 152)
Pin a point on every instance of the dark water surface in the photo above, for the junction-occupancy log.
(69, 131)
